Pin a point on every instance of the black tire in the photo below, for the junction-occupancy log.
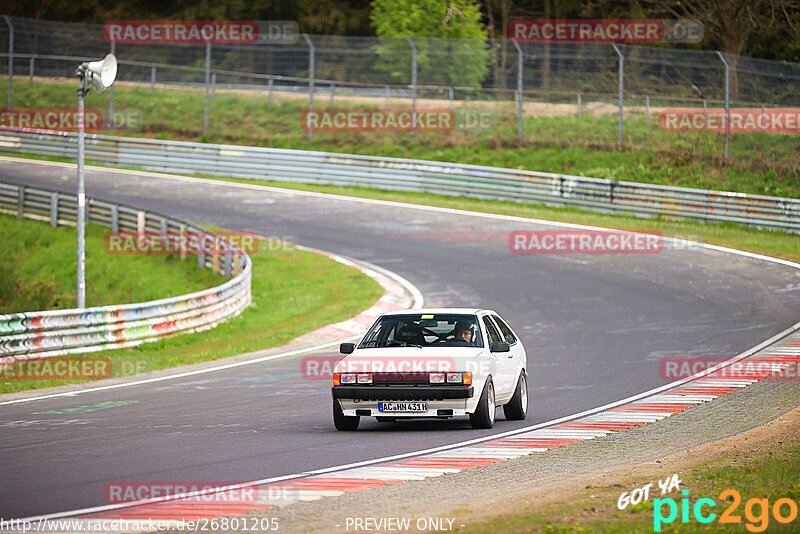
(485, 412)
(386, 419)
(517, 407)
(342, 421)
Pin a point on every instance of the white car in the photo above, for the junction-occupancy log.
(437, 363)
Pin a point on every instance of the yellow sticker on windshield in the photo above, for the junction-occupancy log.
(427, 317)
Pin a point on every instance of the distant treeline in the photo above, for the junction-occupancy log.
(762, 28)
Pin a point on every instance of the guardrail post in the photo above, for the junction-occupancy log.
(110, 120)
(208, 79)
(20, 201)
(53, 209)
(227, 261)
(215, 257)
(10, 60)
(727, 102)
(182, 232)
(311, 54)
(520, 65)
(413, 86)
(114, 218)
(237, 268)
(163, 228)
(152, 80)
(201, 259)
(621, 91)
(141, 221)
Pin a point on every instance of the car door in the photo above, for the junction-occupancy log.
(520, 358)
(505, 363)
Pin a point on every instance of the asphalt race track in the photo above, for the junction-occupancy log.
(595, 328)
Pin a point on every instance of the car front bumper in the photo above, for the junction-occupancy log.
(402, 393)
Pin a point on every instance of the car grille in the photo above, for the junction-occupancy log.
(399, 379)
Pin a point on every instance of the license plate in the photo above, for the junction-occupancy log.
(402, 406)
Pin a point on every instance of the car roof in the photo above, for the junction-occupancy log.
(434, 311)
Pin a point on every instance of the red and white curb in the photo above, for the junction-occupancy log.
(671, 399)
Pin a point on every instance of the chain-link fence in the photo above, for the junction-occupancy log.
(628, 81)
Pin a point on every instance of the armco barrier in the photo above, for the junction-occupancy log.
(50, 333)
(416, 175)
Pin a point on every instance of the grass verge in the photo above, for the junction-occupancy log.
(37, 271)
(760, 163)
(293, 292)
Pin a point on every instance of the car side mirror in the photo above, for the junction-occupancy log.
(348, 348)
(499, 346)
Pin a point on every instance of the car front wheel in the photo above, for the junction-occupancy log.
(517, 407)
(484, 412)
(342, 421)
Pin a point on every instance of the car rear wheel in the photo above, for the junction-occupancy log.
(517, 407)
(342, 421)
(484, 413)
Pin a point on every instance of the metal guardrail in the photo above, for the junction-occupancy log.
(51, 333)
(452, 179)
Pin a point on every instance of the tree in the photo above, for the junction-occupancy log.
(461, 60)
(731, 24)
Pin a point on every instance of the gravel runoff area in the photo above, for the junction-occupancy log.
(489, 491)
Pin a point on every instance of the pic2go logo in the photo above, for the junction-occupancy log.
(758, 521)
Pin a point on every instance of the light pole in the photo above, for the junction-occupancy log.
(99, 75)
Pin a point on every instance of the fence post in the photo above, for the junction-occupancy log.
(413, 86)
(333, 90)
(226, 264)
(579, 105)
(621, 90)
(10, 60)
(450, 95)
(110, 120)
(53, 209)
(30, 70)
(213, 85)
(386, 105)
(311, 54)
(208, 81)
(520, 64)
(727, 102)
(152, 80)
(271, 83)
(647, 109)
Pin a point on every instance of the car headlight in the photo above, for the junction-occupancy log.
(348, 378)
(453, 378)
(365, 378)
(436, 378)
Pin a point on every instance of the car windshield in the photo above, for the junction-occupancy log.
(424, 330)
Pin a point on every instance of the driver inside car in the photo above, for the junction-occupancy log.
(463, 333)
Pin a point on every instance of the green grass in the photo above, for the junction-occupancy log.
(769, 476)
(293, 292)
(760, 163)
(37, 271)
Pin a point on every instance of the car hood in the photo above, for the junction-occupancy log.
(408, 359)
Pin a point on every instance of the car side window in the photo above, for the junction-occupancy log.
(505, 330)
(494, 335)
